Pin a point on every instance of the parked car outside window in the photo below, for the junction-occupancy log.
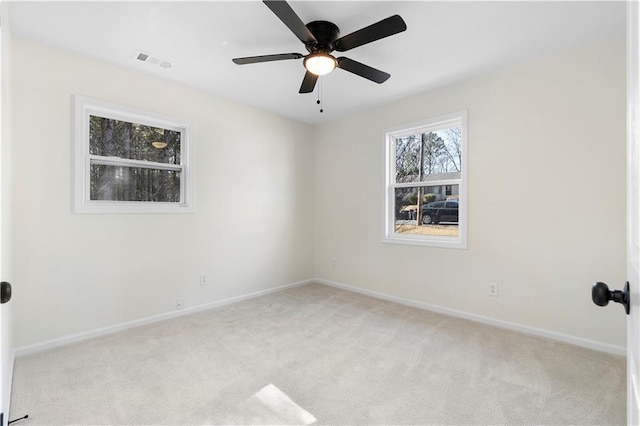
(440, 211)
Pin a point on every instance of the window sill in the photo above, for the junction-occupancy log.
(106, 207)
(451, 243)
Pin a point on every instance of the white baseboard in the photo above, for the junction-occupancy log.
(578, 341)
(573, 340)
(26, 350)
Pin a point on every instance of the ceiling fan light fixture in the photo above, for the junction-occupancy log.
(320, 63)
(159, 144)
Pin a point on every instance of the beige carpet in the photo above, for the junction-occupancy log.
(319, 355)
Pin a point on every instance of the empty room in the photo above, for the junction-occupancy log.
(312, 212)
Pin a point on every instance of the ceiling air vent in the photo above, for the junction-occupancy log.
(152, 59)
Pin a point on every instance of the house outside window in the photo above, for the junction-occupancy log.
(130, 161)
(425, 185)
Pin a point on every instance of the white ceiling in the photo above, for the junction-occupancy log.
(444, 42)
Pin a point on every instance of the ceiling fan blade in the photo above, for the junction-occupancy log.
(308, 83)
(266, 58)
(362, 70)
(385, 28)
(286, 14)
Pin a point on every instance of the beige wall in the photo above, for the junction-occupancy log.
(78, 272)
(546, 144)
(546, 200)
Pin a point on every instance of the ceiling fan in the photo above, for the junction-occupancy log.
(321, 38)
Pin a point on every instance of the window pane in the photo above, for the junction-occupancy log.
(114, 138)
(407, 159)
(429, 156)
(437, 217)
(116, 183)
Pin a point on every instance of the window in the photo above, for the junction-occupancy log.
(129, 161)
(426, 177)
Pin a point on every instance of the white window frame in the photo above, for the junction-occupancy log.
(429, 125)
(83, 108)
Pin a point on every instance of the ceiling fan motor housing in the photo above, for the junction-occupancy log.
(325, 33)
(320, 38)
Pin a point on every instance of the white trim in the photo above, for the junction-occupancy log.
(82, 107)
(633, 146)
(432, 124)
(6, 365)
(388, 225)
(65, 340)
(9, 381)
(114, 161)
(420, 240)
(428, 183)
(565, 338)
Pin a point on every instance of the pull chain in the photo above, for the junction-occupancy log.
(319, 101)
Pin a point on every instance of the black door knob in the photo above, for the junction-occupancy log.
(600, 294)
(5, 292)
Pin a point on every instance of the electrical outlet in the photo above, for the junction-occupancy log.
(179, 303)
(204, 280)
(493, 289)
